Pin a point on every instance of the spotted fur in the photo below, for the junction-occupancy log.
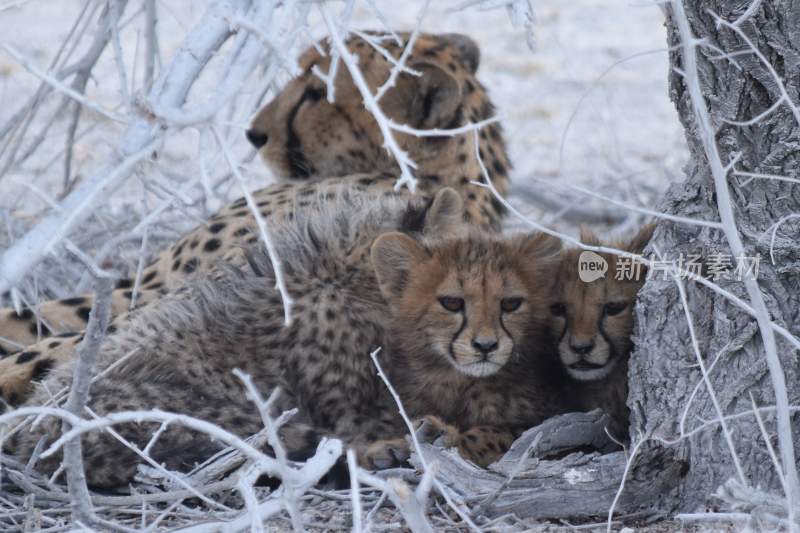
(317, 147)
(592, 324)
(193, 338)
(468, 335)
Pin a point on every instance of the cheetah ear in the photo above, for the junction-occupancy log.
(430, 100)
(639, 241)
(446, 213)
(469, 50)
(393, 257)
(539, 255)
(588, 237)
(540, 245)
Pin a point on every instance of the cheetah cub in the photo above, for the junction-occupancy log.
(453, 314)
(592, 324)
(178, 353)
(466, 336)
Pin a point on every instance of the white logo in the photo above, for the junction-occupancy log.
(591, 266)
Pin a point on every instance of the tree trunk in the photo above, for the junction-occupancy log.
(664, 370)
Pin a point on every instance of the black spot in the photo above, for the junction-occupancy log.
(111, 329)
(212, 245)
(470, 86)
(125, 284)
(73, 301)
(54, 344)
(41, 368)
(24, 357)
(498, 205)
(37, 328)
(499, 168)
(149, 277)
(83, 312)
(25, 314)
(190, 266)
(241, 232)
(462, 158)
(216, 228)
(430, 177)
(128, 294)
(451, 66)
(176, 265)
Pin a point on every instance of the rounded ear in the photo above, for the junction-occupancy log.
(446, 213)
(538, 245)
(639, 241)
(538, 256)
(468, 49)
(587, 236)
(393, 256)
(430, 100)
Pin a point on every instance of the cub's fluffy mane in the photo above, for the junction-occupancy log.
(329, 233)
(325, 240)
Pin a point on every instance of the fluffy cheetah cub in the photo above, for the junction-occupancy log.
(179, 352)
(467, 336)
(592, 324)
(185, 346)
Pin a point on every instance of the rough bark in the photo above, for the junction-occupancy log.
(663, 368)
(532, 481)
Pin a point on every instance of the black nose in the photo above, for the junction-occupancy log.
(484, 346)
(582, 348)
(256, 138)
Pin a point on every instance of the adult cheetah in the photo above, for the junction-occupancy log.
(315, 147)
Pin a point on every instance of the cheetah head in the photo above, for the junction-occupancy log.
(465, 302)
(592, 322)
(305, 132)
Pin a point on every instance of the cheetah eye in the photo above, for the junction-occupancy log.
(509, 305)
(614, 308)
(558, 309)
(452, 303)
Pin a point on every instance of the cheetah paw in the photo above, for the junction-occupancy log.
(434, 430)
(386, 453)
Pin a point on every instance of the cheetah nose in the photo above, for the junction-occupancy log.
(581, 348)
(483, 345)
(256, 138)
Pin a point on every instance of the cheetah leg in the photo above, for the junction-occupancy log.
(20, 368)
(56, 317)
(482, 445)
(19, 371)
